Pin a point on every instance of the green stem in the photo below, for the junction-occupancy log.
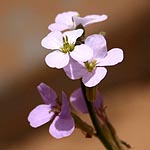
(94, 119)
(86, 128)
(104, 130)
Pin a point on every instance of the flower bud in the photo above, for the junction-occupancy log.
(91, 93)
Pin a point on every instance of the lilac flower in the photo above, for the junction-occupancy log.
(62, 122)
(93, 70)
(71, 19)
(78, 102)
(63, 46)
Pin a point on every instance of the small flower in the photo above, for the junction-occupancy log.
(78, 102)
(71, 19)
(63, 46)
(93, 70)
(62, 122)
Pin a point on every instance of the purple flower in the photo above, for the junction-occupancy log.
(71, 19)
(93, 70)
(78, 102)
(63, 46)
(62, 122)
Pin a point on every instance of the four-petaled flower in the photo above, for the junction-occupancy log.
(93, 70)
(63, 46)
(71, 19)
(62, 122)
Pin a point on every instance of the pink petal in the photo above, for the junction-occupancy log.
(53, 40)
(74, 70)
(66, 17)
(93, 78)
(65, 109)
(62, 127)
(63, 124)
(47, 93)
(82, 53)
(57, 59)
(57, 27)
(114, 56)
(40, 115)
(89, 19)
(78, 102)
(63, 21)
(73, 35)
(98, 43)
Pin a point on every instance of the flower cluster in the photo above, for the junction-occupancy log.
(58, 111)
(86, 60)
(80, 57)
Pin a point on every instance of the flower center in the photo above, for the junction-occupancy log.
(56, 109)
(67, 47)
(90, 65)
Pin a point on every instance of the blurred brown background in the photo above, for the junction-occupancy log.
(126, 88)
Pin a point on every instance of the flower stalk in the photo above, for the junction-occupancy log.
(104, 130)
(85, 128)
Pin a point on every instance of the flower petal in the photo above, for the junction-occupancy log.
(93, 78)
(66, 17)
(98, 43)
(47, 93)
(78, 102)
(65, 109)
(63, 124)
(63, 21)
(40, 115)
(57, 59)
(73, 35)
(53, 40)
(98, 103)
(62, 127)
(114, 56)
(57, 27)
(82, 53)
(74, 70)
(89, 19)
